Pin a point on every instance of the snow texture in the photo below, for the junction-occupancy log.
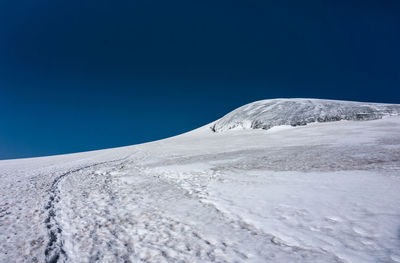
(326, 192)
(266, 114)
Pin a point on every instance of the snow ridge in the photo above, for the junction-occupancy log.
(266, 114)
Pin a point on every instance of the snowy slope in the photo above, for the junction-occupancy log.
(325, 192)
(266, 114)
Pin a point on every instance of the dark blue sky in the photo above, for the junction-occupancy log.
(85, 75)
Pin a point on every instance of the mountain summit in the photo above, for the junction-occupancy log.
(320, 193)
(265, 114)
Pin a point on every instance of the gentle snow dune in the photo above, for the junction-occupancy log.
(325, 192)
(266, 114)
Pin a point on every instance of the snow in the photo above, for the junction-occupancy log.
(326, 192)
(266, 114)
(343, 213)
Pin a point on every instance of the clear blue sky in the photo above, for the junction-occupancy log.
(84, 75)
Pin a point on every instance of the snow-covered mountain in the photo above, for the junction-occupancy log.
(326, 192)
(266, 114)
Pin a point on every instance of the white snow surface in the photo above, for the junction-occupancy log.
(265, 114)
(326, 192)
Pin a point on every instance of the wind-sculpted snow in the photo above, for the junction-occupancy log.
(319, 193)
(266, 114)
